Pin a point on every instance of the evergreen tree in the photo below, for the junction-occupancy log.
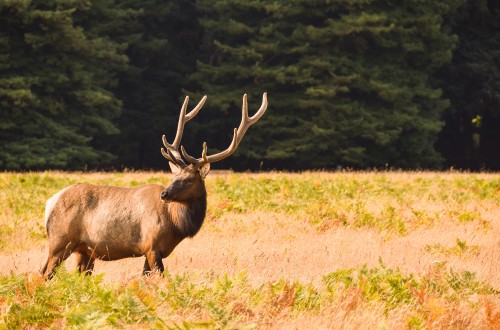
(472, 82)
(160, 43)
(55, 98)
(349, 82)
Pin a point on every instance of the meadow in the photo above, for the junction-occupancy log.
(322, 250)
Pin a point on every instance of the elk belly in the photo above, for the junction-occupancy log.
(113, 235)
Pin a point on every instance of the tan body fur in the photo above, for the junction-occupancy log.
(111, 223)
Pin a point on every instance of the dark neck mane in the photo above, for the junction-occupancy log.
(188, 216)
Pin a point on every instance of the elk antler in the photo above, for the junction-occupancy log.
(246, 122)
(172, 152)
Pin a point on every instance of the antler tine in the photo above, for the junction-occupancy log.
(170, 156)
(194, 112)
(246, 122)
(189, 158)
(172, 152)
(183, 119)
(198, 162)
(166, 155)
(180, 124)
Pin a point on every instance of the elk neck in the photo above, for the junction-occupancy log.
(187, 216)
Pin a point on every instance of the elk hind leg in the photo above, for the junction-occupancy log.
(55, 258)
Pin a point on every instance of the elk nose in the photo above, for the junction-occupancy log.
(164, 194)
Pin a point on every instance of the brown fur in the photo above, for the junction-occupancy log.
(112, 223)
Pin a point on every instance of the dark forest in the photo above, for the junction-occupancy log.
(351, 84)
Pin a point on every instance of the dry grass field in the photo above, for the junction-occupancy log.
(343, 250)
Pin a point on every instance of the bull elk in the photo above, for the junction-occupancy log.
(110, 223)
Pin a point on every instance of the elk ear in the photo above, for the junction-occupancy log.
(174, 168)
(204, 170)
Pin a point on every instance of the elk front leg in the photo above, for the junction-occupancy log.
(153, 263)
(85, 263)
(146, 269)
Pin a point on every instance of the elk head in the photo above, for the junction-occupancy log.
(189, 177)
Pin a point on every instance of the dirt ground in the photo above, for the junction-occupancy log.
(269, 247)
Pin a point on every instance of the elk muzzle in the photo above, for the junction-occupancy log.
(166, 195)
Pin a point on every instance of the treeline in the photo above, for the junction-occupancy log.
(362, 84)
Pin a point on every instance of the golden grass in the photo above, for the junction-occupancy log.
(286, 232)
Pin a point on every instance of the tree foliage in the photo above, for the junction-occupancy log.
(55, 82)
(161, 42)
(351, 83)
(472, 83)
